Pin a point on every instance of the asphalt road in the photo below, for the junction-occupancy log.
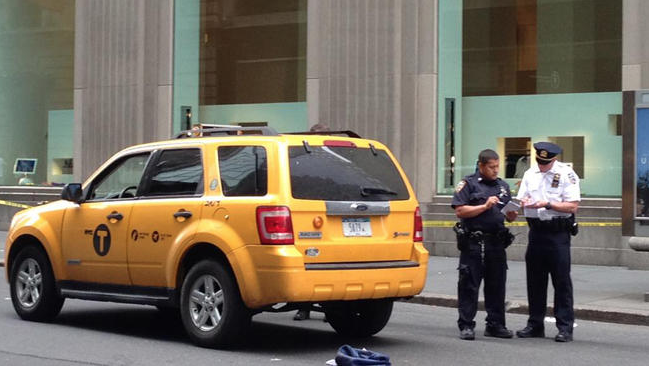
(95, 333)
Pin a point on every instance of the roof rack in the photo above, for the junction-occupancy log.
(206, 130)
(348, 133)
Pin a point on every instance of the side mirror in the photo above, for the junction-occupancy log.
(72, 192)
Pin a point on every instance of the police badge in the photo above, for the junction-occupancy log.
(555, 180)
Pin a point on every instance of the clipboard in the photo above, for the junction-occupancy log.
(510, 206)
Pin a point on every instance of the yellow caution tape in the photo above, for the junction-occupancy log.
(14, 204)
(434, 223)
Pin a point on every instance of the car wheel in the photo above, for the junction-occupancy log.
(211, 308)
(33, 290)
(361, 318)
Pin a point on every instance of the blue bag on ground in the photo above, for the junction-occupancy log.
(350, 356)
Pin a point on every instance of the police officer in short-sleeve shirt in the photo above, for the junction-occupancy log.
(478, 201)
(550, 196)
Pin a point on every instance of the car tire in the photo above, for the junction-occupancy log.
(211, 308)
(360, 318)
(33, 288)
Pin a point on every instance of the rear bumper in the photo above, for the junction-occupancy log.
(275, 274)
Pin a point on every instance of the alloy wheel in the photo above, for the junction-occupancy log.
(206, 303)
(29, 283)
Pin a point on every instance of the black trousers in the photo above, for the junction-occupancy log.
(472, 270)
(548, 253)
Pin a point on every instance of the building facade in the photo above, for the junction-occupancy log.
(436, 80)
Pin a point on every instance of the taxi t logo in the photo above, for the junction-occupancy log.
(101, 240)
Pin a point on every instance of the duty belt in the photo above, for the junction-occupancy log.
(555, 225)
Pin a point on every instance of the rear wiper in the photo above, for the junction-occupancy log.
(368, 191)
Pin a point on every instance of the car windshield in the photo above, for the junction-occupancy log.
(334, 173)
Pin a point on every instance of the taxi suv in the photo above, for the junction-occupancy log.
(226, 223)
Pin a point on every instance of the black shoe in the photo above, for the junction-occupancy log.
(530, 332)
(301, 315)
(563, 337)
(498, 332)
(467, 334)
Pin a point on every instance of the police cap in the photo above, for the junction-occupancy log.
(546, 151)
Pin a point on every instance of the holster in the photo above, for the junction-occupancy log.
(505, 237)
(462, 236)
(573, 226)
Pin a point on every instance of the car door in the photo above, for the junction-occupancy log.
(166, 214)
(94, 234)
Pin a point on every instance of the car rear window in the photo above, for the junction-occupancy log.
(334, 173)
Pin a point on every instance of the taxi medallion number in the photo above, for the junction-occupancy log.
(357, 226)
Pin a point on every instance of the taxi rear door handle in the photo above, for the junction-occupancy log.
(115, 216)
(185, 214)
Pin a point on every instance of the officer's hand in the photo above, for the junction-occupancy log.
(491, 201)
(511, 215)
(538, 204)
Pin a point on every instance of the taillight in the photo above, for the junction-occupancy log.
(418, 232)
(274, 225)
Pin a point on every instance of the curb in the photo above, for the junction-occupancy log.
(581, 312)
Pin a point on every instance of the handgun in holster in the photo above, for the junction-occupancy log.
(463, 236)
(505, 237)
(573, 226)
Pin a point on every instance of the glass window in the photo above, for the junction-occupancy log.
(573, 152)
(344, 174)
(642, 163)
(244, 170)
(539, 47)
(516, 156)
(252, 51)
(121, 179)
(176, 173)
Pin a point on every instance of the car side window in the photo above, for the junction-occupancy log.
(176, 173)
(121, 180)
(243, 170)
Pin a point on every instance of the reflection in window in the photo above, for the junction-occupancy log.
(122, 180)
(252, 51)
(516, 153)
(573, 152)
(538, 47)
(177, 172)
(243, 170)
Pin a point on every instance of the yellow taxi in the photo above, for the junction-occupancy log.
(224, 224)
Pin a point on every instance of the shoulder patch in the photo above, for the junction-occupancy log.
(460, 185)
(572, 178)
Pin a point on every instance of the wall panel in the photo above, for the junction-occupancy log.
(373, 63)
(123, 66)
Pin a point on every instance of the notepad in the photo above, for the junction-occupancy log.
(510, 206)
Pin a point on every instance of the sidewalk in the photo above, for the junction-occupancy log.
(601, 293)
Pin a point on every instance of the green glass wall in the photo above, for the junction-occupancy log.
(521, 71)
(240, 61)
(36, 78)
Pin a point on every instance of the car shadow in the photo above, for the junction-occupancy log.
(265, 334)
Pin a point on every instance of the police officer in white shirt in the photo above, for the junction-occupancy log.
(550, 197)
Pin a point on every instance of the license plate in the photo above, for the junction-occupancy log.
(357, 226)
